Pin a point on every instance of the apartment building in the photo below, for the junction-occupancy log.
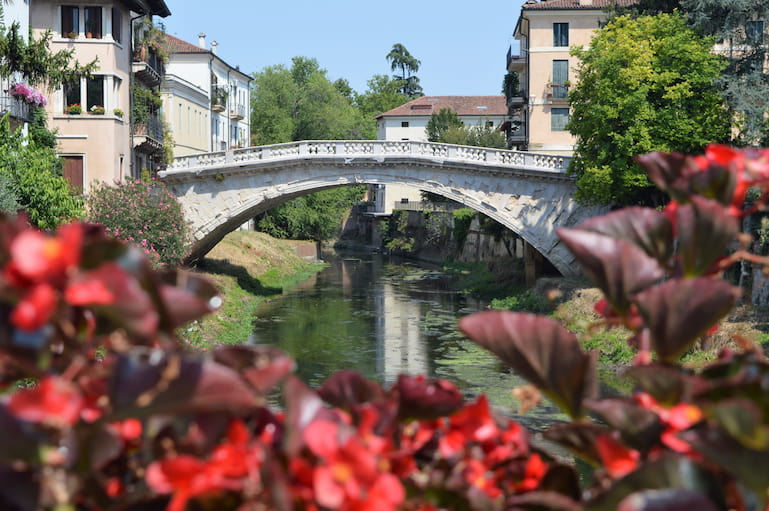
(206, 100)
(12, 101)
(539, 105)
(92, 116)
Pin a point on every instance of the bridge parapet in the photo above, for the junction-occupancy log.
(380, 150)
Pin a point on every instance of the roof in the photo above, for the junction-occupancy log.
(575, 4)
(154, 7)
(176, 45)
(462, 105)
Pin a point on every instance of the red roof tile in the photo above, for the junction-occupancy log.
(176, 45)
(574, 4)
(462, 105)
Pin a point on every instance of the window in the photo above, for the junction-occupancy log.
(70, 21)
(94, 87)
(560, 76)
(560, 34)
(755, 31)
(558, 119)
(93, 22)
(404, 124)
(71, 94)
(117, 24)
(489, 124)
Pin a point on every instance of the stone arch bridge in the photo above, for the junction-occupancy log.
(529, 193)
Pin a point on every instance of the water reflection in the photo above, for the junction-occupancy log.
(383, 317)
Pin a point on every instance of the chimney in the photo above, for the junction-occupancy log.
(214, 47)
(202, 40)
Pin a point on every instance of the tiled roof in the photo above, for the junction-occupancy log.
(176, 45)
(575, 4)
(462, 105)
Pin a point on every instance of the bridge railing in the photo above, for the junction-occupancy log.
(372, 149)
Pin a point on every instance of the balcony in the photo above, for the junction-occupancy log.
(238, 113)
(148, 135)
(558, 92)
(147, 66)
(218, 99)
(16, 107)
(515, 63)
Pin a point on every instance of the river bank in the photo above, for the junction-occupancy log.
(248, 267)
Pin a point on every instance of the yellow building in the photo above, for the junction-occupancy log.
(539, 108)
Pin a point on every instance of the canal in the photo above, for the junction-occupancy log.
(383, 316)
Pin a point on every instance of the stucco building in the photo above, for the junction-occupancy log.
(539, 106)
(206, 100)
(94, 139)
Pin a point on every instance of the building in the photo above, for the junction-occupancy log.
(92, 116)
(538, 103)
(11, 101)
(409, 122)
(206, 100)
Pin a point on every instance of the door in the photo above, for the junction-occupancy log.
(73, 172)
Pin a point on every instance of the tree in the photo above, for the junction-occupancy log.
(446, 118)
(400, 58)
(383, 94)
(644, 84)
(741, 26)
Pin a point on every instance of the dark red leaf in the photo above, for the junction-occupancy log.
(646, 228)
(262, 366)
(303, 405)
(540, 350)
(543, 500)
(346, 389)
(705, 231)
(640, 428)
(680, 311)
(665, 169)
(668, 385)
(619, 268)
(420, 398)
(185, 297)
(668, 499)
(579, 437)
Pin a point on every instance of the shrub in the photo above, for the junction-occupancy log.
(114, 414)
(144, 213)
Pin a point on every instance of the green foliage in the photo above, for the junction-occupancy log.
(8, 202)
(317, 216)
(144, 103)
(143, 213)
(511, 85)
(440, 122)
(398, 237)
(38, 130)
(35, 61)
(479, 136)
(301, 103)
(644, 84)
(400, 58)
(525, 301)
(383, 94)
(32, 175)
(463, 217)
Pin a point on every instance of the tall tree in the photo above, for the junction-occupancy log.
(400, 58)
(383, 94)
(740, 26)
(644, 84)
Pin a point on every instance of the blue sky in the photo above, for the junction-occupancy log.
(462, 45)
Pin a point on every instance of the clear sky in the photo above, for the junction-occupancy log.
(462, 45)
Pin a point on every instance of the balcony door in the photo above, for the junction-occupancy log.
(73, 172)
(560, 75)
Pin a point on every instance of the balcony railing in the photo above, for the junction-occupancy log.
(148, 66)
(515, 61)
(238, 112)
(218, 98)
(148, 135)
(16, 107)
(558, 91)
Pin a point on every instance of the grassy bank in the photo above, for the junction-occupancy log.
(248, 267)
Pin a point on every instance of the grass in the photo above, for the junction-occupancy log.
(248, 267)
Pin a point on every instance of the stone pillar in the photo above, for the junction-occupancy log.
(530, 264)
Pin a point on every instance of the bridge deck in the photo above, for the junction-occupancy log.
(377, 150)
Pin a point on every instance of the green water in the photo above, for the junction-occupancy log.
(381, 317)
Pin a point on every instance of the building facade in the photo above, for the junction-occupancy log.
(538, 100)
(92, 115)
(206, 101)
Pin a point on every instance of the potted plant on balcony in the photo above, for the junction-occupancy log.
(72, 35)
(74, 109)
(118, 112)
(97, 110)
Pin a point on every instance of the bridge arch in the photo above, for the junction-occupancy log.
(528, 193)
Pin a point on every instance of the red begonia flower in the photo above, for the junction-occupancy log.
(53, 401)
(533, 473)
(617, 459)
(88, 292)
(35, 308)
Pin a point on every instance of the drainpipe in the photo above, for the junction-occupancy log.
(130, 93)
(527, 93)
(230, 103)
(211, 105)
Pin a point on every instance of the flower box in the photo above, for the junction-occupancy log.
(97, 110)
(74, 109)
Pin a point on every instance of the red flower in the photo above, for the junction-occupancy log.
(37, 257)
(53, 401)
(617, 459)
(533, 473)
(88, 292)
(472, 423)
(35, 308)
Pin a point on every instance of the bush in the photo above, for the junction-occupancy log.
(115, 414)
(144, 213)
